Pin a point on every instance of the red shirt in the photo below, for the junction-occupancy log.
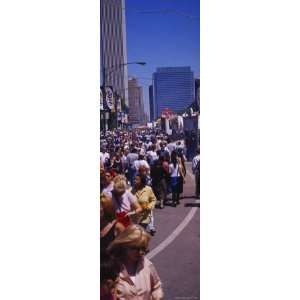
(165, 166)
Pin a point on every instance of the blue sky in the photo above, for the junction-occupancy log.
(162, 39)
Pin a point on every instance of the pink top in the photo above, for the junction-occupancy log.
(123, 203)
(147, 284)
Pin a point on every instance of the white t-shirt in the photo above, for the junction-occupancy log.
(174, 171)
(171, 147)
(140, 163)
(153, 155)
(103, 156)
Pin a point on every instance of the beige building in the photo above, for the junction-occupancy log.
(113, 48)
(136, 102)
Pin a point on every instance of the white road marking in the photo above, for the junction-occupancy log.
(176, 232)
(173, 235)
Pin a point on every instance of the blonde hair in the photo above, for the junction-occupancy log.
(120, 182)
(134, 235)
(108, 207)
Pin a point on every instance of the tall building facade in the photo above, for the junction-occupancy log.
(197, 94)
(136, 102)
(151, 103)
(174, 88)
(113, 50)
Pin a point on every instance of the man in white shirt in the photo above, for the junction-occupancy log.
(141, 162)
(180, 146)
(109, 184)
(170, 146)
(104, 155)
(151, 154)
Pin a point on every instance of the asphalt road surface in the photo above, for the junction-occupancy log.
(175, 248)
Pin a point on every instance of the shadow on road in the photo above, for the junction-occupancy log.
(192, 205)
(189, 197)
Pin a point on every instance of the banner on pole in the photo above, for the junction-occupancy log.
(109, 97)
(101, 100)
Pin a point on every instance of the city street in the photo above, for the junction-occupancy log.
(175, 248)
(149, 101)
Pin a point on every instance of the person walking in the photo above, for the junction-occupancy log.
(157, 177)
(131, 158)
(175, 173)
(182, 173)
(147, 200)
(105, 158)
(125, 203)
(170, 146)
(141, 162)
(109, 226)
(109, 273)
(108, 183)
(151, 155)
(196, 172)
(138, 278)
(163, 151)
(117, 164)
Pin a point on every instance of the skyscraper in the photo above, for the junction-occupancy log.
(136, 102)
(197, 94)
(113, 49)
(151, 103)
(174, 88)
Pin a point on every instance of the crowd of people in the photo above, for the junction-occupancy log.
(138, 169)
